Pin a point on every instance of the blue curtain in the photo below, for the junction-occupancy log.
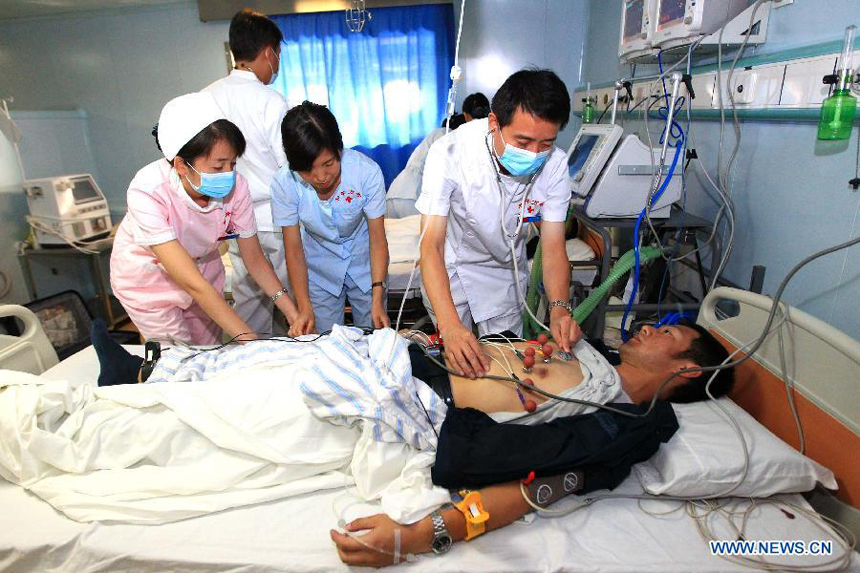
(386, 85)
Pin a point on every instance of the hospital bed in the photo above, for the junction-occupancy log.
(611, 535)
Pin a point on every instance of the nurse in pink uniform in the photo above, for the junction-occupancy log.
(165, 267)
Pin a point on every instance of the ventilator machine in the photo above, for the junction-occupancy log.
(67, 209)
(612, 174)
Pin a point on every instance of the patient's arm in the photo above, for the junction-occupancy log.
(503, 502)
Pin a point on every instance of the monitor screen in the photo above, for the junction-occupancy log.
(84, 190)
(633, 12)
(580, 153)
(671, 13)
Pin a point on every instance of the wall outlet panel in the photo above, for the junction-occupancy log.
(793, 85)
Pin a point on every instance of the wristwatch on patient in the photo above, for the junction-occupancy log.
(379, 284)
(442, 540)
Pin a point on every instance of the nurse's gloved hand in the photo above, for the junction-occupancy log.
(565, 331)
(463, 352)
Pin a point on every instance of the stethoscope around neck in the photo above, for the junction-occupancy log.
(511, 237)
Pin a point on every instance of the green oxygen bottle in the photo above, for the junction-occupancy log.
(837, 111)
(588, 107)
(587, 111)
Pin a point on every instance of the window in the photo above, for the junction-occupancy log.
(386, 85)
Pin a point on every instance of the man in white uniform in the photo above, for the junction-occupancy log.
(482, 184)
(257, 110)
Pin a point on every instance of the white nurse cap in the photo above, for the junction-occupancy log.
(183, 118)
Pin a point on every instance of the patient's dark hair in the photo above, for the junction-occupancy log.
(307, 129)
(705, 350)
(251, 33)
(538, 92)
(477, 105)
(205, 140)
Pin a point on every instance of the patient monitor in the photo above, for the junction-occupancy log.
(637, 29)
(679, 22)
(67, 209)
(613, 174)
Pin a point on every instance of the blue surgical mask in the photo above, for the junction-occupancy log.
(215, 185)
(521, 162)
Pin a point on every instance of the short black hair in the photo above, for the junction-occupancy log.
(705, 350)
(251, 33)
(477, 105)
(307, 129)
(456, 121)
(202, 143)
(538, 92)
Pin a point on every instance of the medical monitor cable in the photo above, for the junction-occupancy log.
(636, 238)
(236, 340)
(728, 205)
(724, 176)
(656, 99)
(37, 223)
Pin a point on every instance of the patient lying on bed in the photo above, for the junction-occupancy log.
(634, 374)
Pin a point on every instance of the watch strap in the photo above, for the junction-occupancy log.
(279, 294)
(442, 540)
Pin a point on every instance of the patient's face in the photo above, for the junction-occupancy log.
(656, 348)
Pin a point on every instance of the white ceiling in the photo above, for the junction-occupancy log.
(13, 9)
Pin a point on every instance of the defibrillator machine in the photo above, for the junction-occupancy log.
(67, 209)
(612, 174)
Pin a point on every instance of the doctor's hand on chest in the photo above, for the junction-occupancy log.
(463, 352)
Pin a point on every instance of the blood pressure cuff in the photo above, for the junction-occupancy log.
(475, 451)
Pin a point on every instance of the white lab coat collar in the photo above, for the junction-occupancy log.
(245, 75)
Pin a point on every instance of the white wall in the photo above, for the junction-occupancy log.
(120, 67)
(503, 36)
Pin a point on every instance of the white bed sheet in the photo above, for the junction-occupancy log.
(403, 235)
(292, 535)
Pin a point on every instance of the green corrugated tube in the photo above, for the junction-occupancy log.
(586, 307)
(529, 326)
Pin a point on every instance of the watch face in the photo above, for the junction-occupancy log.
(442, 543)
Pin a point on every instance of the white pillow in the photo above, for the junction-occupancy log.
(705, 458)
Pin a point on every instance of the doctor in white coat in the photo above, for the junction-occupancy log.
(482, 184)
(246, 100)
